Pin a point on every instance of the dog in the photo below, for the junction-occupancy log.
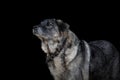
(69, 58)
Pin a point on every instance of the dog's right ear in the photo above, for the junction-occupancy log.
(62, 26)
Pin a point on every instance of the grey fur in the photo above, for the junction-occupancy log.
(69, 58)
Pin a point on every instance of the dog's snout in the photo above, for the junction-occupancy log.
(35, 29)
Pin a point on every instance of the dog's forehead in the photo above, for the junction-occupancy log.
(47, 22)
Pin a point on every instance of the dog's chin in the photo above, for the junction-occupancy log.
(47, 50)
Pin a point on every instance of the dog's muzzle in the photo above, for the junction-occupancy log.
(35, 29)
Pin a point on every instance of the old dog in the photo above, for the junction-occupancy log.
(69, 58)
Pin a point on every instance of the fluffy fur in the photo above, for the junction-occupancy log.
(69, 58)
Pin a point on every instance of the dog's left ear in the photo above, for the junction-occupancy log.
(62, 26)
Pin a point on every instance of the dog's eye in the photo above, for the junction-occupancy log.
(50, 24)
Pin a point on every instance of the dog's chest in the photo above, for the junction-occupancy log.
(60, 63)
(70, 54)
(56, 66)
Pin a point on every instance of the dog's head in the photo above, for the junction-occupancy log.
(50, 32)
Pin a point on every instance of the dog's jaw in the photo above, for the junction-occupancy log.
(49, 46)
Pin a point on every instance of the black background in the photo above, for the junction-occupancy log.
(24, 57)
(89, 25)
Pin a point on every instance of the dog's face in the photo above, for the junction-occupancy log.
(47, 29)
(49, 32)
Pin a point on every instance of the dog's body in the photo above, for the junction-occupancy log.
(69, 58)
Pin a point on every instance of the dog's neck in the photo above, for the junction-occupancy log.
(68, 48)
(71, 51)
(51, 56)
(63, 44)
(59, 63)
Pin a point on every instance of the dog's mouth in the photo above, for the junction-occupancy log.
(34, 31)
